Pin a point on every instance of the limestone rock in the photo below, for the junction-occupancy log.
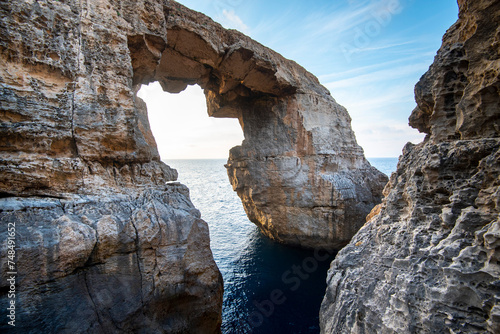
(103, 245)
(427, 260)
(300, 173)
(120, 263)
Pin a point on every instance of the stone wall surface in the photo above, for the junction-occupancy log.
(427, 261)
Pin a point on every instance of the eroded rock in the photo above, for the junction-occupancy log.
(300, 174)
(103, 245)
(427, 260)
(113, 264)
(82, 178)
(94, 130)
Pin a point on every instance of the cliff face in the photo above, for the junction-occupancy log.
(428, 260)
(114, 263)
(102, 243)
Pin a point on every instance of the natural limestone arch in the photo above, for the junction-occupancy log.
(301, 175)
(299, 172)
(97, 218)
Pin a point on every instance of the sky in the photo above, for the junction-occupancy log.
(368, 53)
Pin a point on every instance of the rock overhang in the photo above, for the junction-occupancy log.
(287, 116)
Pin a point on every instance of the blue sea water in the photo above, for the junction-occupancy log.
(268, 287)
(385, 165)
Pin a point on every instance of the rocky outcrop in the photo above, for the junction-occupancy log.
(110, 264)
(427, 261)
(102, 244)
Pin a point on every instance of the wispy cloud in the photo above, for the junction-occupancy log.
(364, 69)
(379, 76)
(230, 20)
(385, 46)
(340, 20)
(371, 104)
(385, 138)
(395, 63)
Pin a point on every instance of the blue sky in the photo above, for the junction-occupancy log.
(368, 53)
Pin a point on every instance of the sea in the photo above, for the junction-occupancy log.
(268, 287)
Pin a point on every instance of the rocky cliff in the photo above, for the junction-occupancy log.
(427, 261)
(102, 244)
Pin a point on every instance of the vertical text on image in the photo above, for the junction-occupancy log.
(11, 273)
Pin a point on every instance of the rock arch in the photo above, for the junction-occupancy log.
(81, 177)
(300, 174)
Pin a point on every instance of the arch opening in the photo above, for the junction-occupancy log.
(197, 146)
(181, 127)
(300, 174)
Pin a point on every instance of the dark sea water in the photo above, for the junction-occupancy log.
(268, 287)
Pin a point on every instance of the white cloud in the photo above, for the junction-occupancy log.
(230, 20)
(337, 21)
(419, 56)
(384, 46)
(379, 76)
(385, 138)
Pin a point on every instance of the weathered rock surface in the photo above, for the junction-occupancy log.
(300, 173)
(427, 261)
(103, 244)
(136, 263)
